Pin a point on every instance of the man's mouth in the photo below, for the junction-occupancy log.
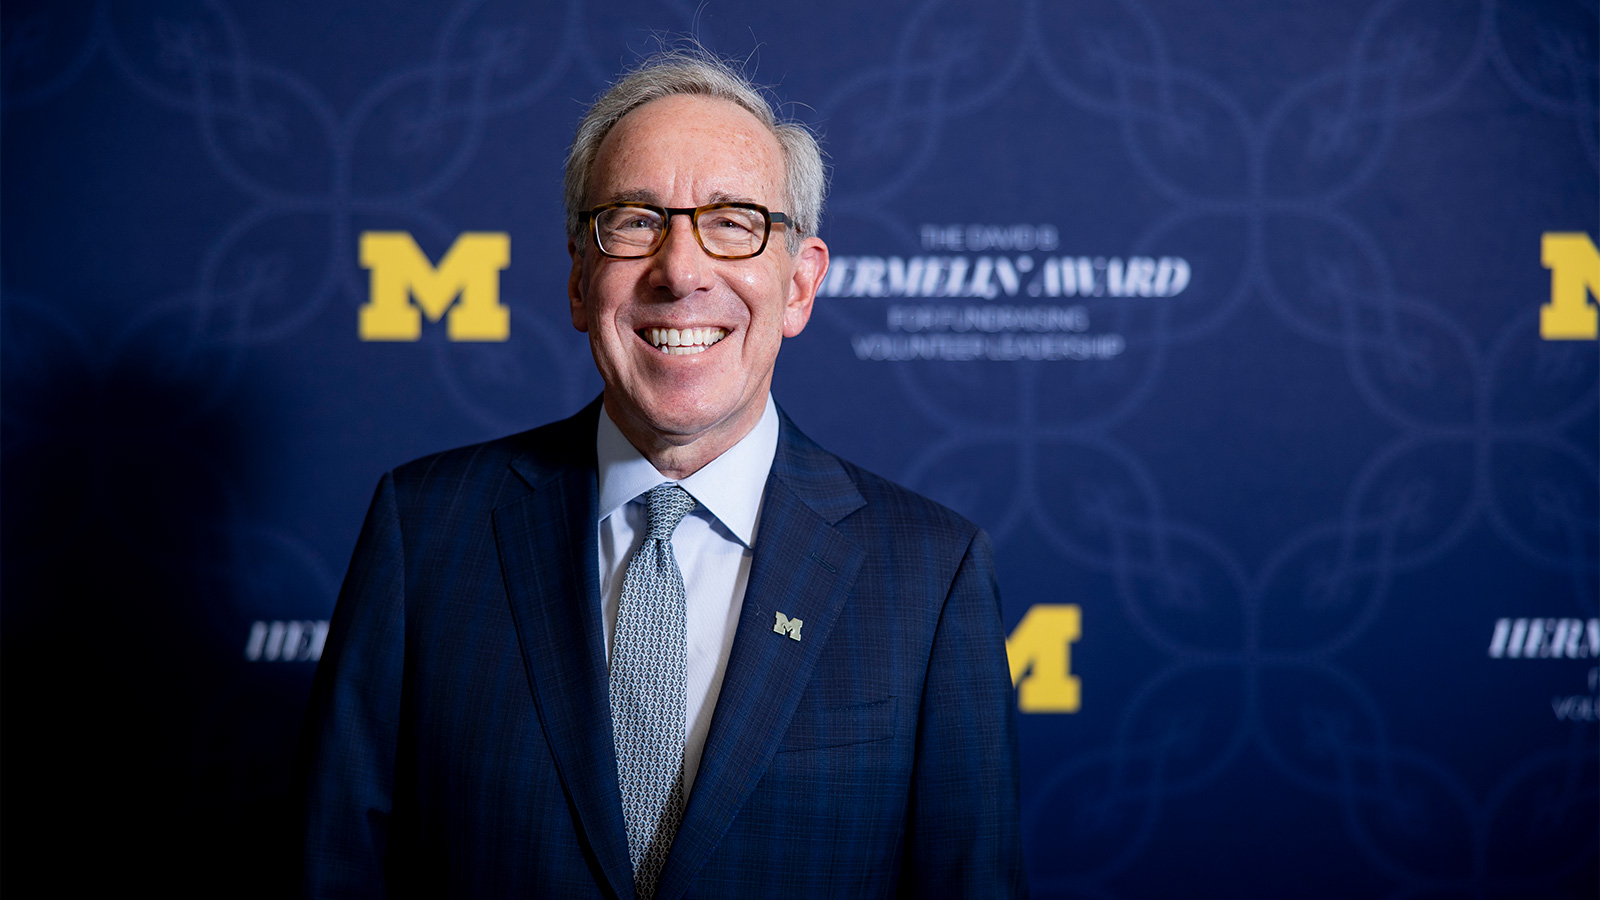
(682, 341)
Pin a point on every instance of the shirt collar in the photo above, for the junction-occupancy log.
(730, 487)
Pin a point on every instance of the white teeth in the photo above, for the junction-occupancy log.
(683, 341)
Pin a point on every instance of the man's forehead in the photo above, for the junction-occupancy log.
(718, 143)
(688, 113)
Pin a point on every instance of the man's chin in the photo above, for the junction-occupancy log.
(682, 430)
(681, 422)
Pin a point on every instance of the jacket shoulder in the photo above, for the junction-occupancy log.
(491, 469)
(864, 503)
(889, 501)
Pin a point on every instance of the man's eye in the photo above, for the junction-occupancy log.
(725, 223)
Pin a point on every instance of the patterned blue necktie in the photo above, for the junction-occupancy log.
(649, 665)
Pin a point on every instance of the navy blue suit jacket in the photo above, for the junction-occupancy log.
(459, 735)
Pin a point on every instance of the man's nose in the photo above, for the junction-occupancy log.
(680, 266)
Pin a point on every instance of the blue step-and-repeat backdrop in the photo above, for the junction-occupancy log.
(1260, 336)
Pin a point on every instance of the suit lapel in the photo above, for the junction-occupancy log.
(546, 542)
(804, 568)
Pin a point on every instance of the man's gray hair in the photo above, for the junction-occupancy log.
(696, 71)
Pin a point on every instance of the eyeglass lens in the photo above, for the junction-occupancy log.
(724, 230)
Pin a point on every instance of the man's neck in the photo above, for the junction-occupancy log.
(675, 457)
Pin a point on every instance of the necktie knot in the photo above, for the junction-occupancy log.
(666, 505)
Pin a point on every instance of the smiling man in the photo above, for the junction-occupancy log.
(668, 647)
(685, 322)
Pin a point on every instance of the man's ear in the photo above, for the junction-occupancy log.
(576, 287)
(810, 267)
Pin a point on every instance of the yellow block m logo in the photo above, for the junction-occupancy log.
(470, 270)
(1039, 650)
(1574, 276)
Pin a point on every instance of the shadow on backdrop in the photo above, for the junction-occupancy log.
(139, 750)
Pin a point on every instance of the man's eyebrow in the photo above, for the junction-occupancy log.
(725, 197)
(638, 195)
(645, 195)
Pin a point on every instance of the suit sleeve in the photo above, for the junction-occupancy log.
(964, 834)
(349, 744)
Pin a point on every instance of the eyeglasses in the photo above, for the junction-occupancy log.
(631, 230)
